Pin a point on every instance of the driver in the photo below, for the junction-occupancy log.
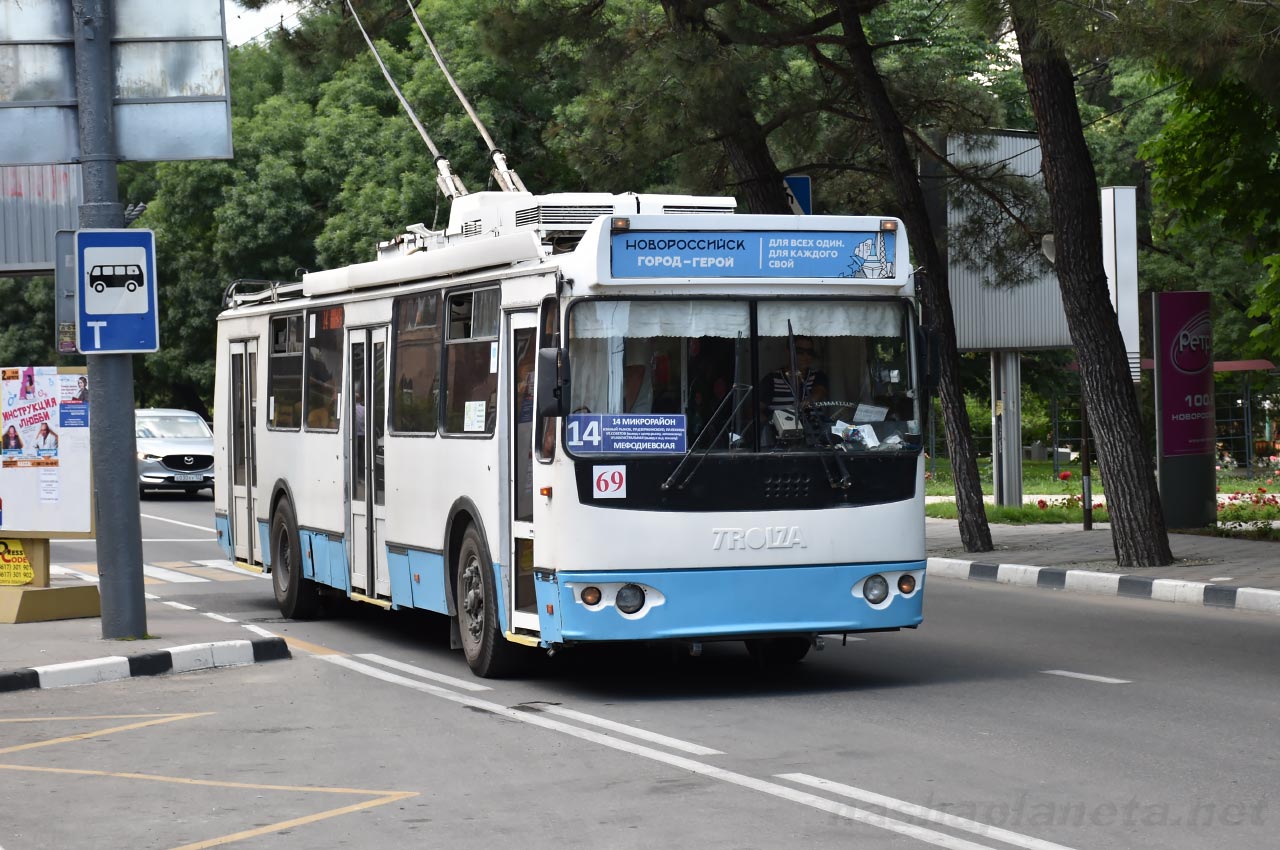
(776, 388)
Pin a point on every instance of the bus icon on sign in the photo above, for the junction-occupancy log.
(102, 278)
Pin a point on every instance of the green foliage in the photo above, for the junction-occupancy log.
(28, 333)
(631, 95)
(1220, 147)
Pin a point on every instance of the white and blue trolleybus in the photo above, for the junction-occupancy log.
(583, 418)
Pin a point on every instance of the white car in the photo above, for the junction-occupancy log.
(175, 451)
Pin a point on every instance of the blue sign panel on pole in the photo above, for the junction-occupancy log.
(757, 253)
(626, 433)
(116, 302)
(800, 193)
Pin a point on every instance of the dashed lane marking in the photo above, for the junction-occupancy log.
(1088, 677)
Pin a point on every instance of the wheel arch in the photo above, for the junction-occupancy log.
(463, 513)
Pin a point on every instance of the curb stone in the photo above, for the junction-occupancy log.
(178, 659)
(1205, 594)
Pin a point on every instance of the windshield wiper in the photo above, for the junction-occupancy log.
(728, 420)
(819, 438)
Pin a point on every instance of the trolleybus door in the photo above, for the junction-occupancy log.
(522, 355)
(242, 447)
(366, 423)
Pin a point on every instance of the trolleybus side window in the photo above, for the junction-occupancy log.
(284, 373)
(324, 368)
(471, 382)
(415, 364)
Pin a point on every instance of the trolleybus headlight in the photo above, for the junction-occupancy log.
(875, 589)
(630, 598)
(590, 596)
(906, 584)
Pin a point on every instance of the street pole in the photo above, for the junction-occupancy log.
(1086, 488)
(117, 524)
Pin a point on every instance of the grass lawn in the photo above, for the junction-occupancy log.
(1025, 515)
(1037, 478)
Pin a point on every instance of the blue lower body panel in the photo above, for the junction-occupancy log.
(264, 543)
(711, 603)
(324, 560)
(222, 525)
(417, 580)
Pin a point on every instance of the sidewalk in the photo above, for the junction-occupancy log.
(1216, 571)
(71, 652)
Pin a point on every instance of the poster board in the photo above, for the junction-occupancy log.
(45, 464)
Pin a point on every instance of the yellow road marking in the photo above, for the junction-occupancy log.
(156, 721)
(214, 574)
(313, 648)
(82, 717)
(381, 798)
(306, 819)
(211, 783)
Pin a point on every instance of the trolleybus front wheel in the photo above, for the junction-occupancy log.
(488, 653)
(296, 596)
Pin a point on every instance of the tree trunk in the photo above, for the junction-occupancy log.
(1133, 500)
(760, 185)
(931, 284)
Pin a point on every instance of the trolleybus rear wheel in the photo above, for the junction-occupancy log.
(488, 653)
(296, 596)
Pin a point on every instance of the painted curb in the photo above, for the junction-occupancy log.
(1205, 594)
(178, 659)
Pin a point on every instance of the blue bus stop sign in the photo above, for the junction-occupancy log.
(116, 302)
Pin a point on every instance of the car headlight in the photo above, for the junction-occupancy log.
(875, 590)
(148, 456)
(630, 598)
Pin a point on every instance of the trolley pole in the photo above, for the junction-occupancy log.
(117, 523)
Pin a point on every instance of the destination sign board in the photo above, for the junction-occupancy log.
(754, 254)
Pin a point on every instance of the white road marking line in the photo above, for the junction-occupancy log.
(170, 575)
(224, 564)
(622, 729)
(144, 540)
(1088, 677)
(219, 618)
(424, 673)
(1222, 578)
(150, 596)
(56, 570)
(773, 789)
(179, 606)
(259, 630)
(902, 807)
(178, 522)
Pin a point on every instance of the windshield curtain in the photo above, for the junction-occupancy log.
(696, 361)
(171, 427)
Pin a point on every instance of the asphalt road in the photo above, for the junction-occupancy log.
(1156, 729)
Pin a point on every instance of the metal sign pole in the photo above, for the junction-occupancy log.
(115, 468)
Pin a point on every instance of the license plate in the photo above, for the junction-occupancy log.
(188, 478)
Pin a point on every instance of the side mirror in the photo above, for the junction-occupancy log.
(553, 382)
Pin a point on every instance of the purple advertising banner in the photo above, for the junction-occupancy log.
(1184, 374)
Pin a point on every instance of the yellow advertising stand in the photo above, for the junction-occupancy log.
(45, 490)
